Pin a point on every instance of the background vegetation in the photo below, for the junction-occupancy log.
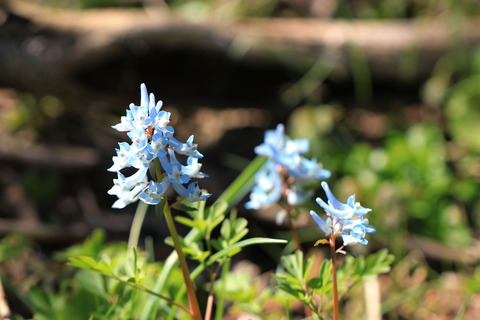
(408, 147)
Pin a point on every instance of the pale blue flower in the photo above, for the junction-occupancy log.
(354, 231)
(267, 191)
(188, 148)
(338, 209)
(152, 138)
(347, 219)
(325, 225)
(192, 169)
(155, 191)
(287, 168)
(128, 188)
(296, 195)
(157, 145)
(123, 159)
(192, 193)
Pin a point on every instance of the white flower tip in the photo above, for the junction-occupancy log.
(281, 215)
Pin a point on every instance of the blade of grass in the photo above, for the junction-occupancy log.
(243, 183)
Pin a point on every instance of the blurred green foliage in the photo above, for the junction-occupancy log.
(298, 278)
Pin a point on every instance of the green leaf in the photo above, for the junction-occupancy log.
(82, 262)
(42, 301)
(92, 246)
(185, 221)
(295, 266)
(226, 229)
(201, 225)
(378, 263)
(315, 283)
(224, 252)
(240, 230)
(103, 267)
(181, 206)
(360, 266)
(324, 274)
(201, 256)
(297, 293)
(215, 215)
(91, 282)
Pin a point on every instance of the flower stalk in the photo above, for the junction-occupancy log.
(334, 275)
(137, 223)
(191, 295)
(347, 220)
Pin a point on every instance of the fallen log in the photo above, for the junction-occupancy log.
(392, 50)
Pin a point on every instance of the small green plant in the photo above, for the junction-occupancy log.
(196, 281)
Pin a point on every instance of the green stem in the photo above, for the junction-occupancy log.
(137, 224)
(167, 267)
(151, 292)
(192, 297)
(334, 275)
(221, 296)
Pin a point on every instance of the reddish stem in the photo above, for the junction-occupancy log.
(191, 295)
(334, 276)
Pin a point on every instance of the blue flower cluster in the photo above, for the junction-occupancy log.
(153, 145)
(344, 218)
(285, 168)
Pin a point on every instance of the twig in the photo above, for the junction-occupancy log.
(4, 309)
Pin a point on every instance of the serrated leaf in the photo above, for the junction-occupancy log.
(295, 265)
(297, 293)
(103, 267)
(215, 215)
(378, 263)
(82, 262)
